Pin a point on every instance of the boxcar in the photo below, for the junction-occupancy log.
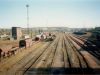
(25, 43)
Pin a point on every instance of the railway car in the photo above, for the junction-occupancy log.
(51, 37)
(40, 37)
(43, 37)
(4, 50)
(37, 37)
(25, 43)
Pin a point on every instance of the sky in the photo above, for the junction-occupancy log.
(50, 13)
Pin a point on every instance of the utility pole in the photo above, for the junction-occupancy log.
(27, 6)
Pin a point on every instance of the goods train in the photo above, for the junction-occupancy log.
(25, 43)
(40, 37)
(8, 50)
(45, 37)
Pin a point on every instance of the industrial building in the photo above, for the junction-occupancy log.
(16, 33)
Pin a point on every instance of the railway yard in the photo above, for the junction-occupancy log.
(66, 54)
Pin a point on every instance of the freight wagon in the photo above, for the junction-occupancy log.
(8, 50)
(5, 50)
(25, 43)
(45, 37)
(40, 37)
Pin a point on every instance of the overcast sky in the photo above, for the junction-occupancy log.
(50, 13)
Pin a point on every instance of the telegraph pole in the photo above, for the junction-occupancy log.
(27, 6)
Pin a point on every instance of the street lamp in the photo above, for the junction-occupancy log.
(27, 6)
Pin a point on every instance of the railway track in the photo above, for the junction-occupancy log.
(4, 66)
(4, 60)
(91, 46)
(64, 55)
(42, 61)
(92, 62)
(26, 60)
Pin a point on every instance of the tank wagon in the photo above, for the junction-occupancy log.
(40, 37)
(45, 37)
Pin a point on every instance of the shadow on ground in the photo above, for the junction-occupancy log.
(65, 71)
(93, 45)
